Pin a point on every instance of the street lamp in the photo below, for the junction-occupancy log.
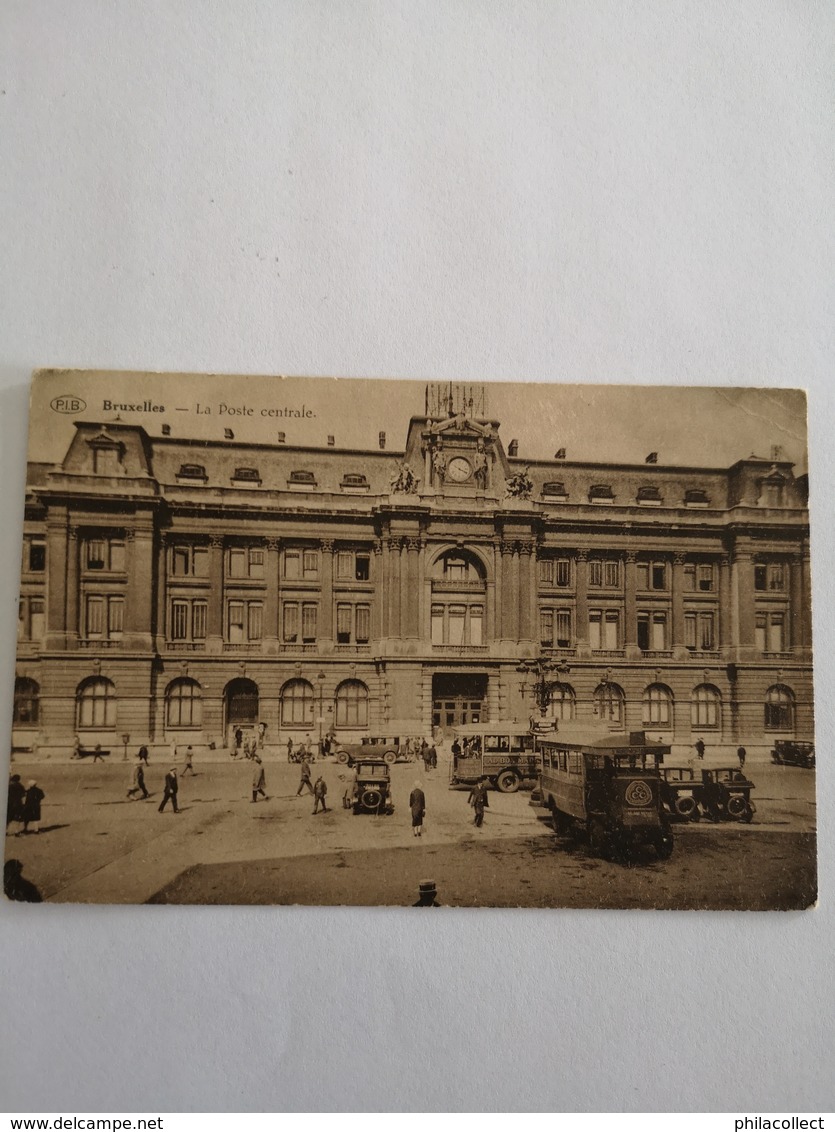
(541, 671)
(125, 741)
(321, 679)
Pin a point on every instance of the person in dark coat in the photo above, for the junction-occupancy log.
(17, 792)
(427, 895)
(259, 778)
(433, 756)
(289, 750)
(170, 791)
(15, 885)
(143, 755)
(700, 748)
(417, 804)
(456, 748)
(478, 800)
(741, 754)
(305, 778)
(31, 811)
(98, 757)
(320, 790)
(189, 768)
(137, 782)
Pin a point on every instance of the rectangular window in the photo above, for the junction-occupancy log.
(179, 620)
(115, 617)
(362, 630)
(546, 571)
(690, 627)
(95, 617)
(776, 636)
(777, 577)
(611, 633)
(21, 620)
(363, 568)
(343, 624)
(310, 616)
(235, 622)
(563, 637)
(659, 576)
(310, 563)
(200, 560)
(344, 564)
(689, 576)
(659, 631)
(180, 561)
(760, 577)
(595, 572)
(117, 556)
(256, 562)
(476, 624)
(437, 624)
(610, 573)
(290, 619)
(595, 632)
(563, 572)
(237, 561)
(457, 615)
(255, 621)
(760, 632)
(546, 628)
(95, 554)
(643, 631)
(642, 574)
(190, 561)
(199, 617)
(37, 623)
(706, 577)
(37, 556)
(292, 564)
(707, 637)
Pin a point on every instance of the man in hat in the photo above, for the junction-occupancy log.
(320, 790)
(305, 778)
(15, 885)
(478, 800)
(188, 768)
(427, 893)
(259, 778)
(170, 791)
(31, 812)
(700, 748)
(17, 792)
(417, 804)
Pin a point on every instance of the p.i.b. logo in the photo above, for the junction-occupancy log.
(68, 403)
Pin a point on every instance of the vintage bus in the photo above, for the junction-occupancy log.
(610, 787)
(503, 752)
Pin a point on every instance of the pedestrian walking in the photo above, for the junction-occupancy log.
(741, 754)
(427, 895)
(15, 885)
(137, 780)
(289, 750)
(173, 748)
(262, 735)
(98, 757)
(478, 800)
(76, 748)
(189, 768)
(320, 790)
(417, 804)
(143, 755)
(239, 738)
(305, 778)
(17, 792)
(700, 748)
(170, 792)
(259, 778)
(31, 811)
(433, 756)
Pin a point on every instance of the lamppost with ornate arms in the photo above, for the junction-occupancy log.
(541, 670)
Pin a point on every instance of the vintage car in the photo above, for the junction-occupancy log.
(680, 792)
(787, 752)
(369, 791)
(392, 748)
(609, 787)
(726, 794)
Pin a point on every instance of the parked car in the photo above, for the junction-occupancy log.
(787, 752)
(680, 792)
(390, 748)
(369, 791)
(726, 795)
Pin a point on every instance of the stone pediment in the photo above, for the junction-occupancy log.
(460, 425)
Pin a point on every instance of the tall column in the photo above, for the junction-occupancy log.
(678, 641)
(161, 591)
(73, 596)
(795, 641)
(411, 604)
(806, 599)
(512, 600)
(214, 640)
(378, 577)
(57, 578)
(581, 603)
(725, 606)
(524, 560)
(630, 593)
(139, 604)
(394, 588)
(742, 605)
(325, 628)
(271, 595)
(505, 614)
(533, 598)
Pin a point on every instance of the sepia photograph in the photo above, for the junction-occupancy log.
(343, 642)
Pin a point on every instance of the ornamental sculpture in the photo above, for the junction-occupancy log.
(404, 481)
(520, 485)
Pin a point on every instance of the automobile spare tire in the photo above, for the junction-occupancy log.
(737, 806)
(371, 799)
(685, 805)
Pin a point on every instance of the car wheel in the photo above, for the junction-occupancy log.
(342, 756)
(390, 757)
(737, 807)
(371, 799)
(664, 848)
(684, 806)
(507, 782)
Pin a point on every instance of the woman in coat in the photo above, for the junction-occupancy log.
(259, 779)
(417, 804)
(31, 811)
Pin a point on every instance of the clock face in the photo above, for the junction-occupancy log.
(458, 469)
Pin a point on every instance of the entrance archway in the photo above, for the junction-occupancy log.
(240, 705)
(457, 699)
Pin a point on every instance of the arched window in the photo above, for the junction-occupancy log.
(608, 703)
(658, 706)
(96, 703)
(241, 700)
(26, 702)
(705, 707)
(779, 708)
(297, 704)
(183, 704)
(563, 703)
(352, 704)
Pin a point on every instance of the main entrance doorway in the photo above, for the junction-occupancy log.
(458, 699)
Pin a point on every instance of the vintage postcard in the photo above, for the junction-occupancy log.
(319, 641)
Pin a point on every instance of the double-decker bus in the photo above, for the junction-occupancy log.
(610, 787)
(505, 753)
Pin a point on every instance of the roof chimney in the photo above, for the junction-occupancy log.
(228, 434)
(559, 454)
(281, 438)
(331, 441)
(381, 440)
(166, 430)
(513, 448)
(652, 458)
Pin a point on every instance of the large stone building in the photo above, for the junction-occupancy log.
(177, 589)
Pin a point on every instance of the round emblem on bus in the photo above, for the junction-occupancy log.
(638, 793)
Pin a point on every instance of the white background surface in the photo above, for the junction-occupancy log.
(555, 191)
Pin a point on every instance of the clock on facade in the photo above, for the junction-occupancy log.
(458, 469)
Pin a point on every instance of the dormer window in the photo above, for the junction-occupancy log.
(696, 497)
(302, 479)
(246, 475)
(554, 490)
(649, 497)
(107, 455)
(192, 472)
(601, 493)
(354, 479)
